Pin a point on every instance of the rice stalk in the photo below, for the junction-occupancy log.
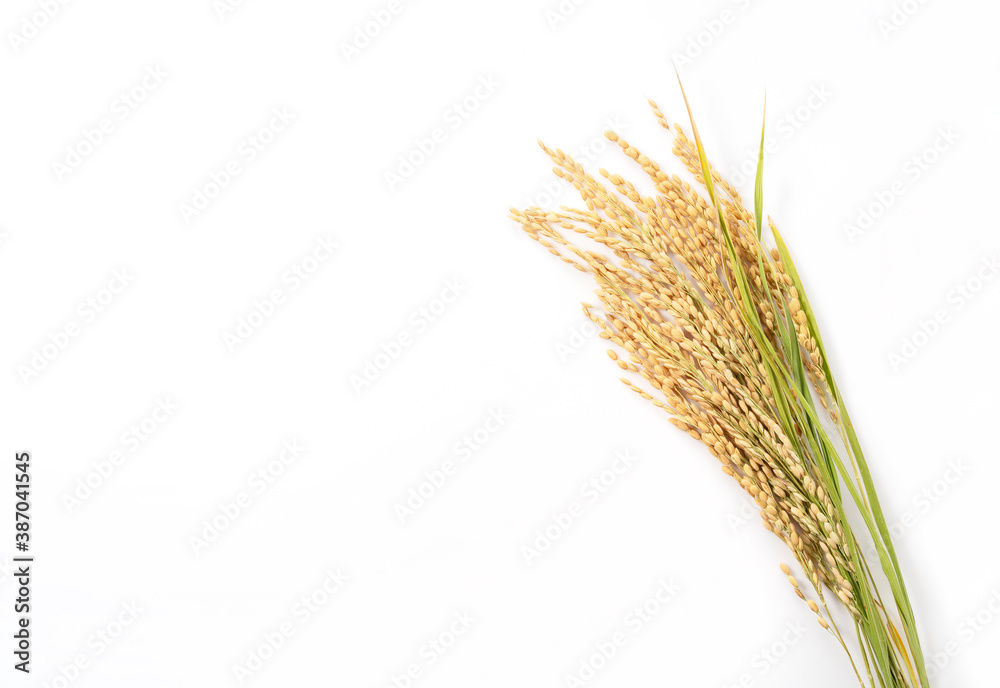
(716, 329)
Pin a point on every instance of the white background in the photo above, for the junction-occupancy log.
(510, 341)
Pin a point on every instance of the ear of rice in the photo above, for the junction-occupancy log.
(717, 330)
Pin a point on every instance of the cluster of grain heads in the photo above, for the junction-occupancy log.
(716, 329)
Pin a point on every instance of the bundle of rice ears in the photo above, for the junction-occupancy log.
(716, 329)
